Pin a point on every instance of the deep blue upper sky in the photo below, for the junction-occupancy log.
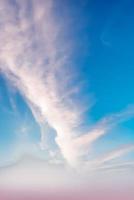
(105, 54)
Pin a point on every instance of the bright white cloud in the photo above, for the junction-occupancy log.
(34, 62)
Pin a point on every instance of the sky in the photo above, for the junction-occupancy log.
(66, 93)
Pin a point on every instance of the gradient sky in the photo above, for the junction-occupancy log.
(66, 83)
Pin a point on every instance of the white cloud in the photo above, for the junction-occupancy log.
(117, 166)
(34, 62)
(100, 162)
(116, 153)
(103, 126)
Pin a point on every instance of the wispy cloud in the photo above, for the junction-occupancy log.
(116, 153)
(35, 58)
(117, 166)
(103, 127)
(103, 161)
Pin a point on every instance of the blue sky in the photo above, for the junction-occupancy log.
(66, 81)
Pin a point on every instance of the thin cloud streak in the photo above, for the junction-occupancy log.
(122, 151)
(103, 127)
(117, 166)
(116, 153)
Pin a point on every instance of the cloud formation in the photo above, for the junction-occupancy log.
(36, 59)
(104, 162)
